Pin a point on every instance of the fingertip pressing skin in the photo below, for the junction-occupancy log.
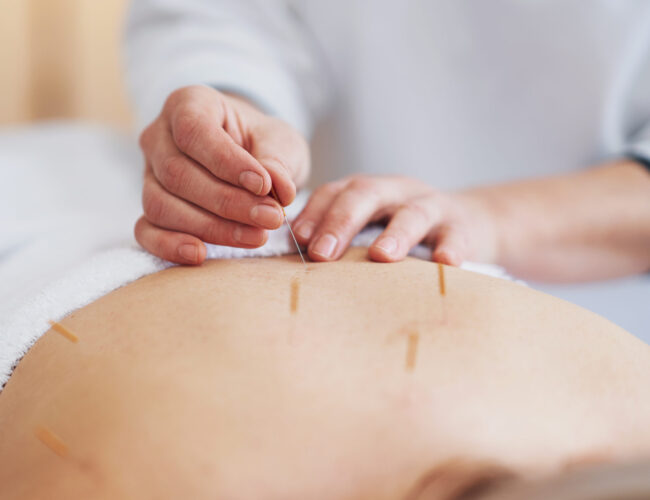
(448, 257)
(192, 254)
(451, 247)
(317, 205)
(347, 216)
(386, 249)
(324, 248)
(378, 255)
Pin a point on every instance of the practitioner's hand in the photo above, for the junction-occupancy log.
(210, 161)
(456, 226)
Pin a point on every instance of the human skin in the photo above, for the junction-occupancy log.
(205, 149)
(212, 382)
(593, 224)
(210, 162)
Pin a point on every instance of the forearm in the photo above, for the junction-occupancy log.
(590, 225)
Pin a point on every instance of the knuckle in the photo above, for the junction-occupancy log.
(322, 190)
(416, 187)
(179, 95)
(153, 206)
(173, 173)
(165, 245)
(329, 189)
(226, 160)
(363, 185)
(349, 179)
(279, 163)
(145, 138)
(214, 233)
(357, 178)
(417, 209)
(226, 203)
(398, 232)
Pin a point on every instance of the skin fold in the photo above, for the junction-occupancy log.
(260, 378)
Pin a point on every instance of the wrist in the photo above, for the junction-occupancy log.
(480, 209)
(495, 223)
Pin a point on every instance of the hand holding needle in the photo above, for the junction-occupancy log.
(275, 196)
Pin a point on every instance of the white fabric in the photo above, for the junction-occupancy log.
(67, 208)
(453, 92)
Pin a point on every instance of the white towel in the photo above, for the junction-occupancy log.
(66, 217)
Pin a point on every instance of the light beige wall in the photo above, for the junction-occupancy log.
(14, 60)
(61, 59)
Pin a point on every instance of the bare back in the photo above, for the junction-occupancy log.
(260, 378)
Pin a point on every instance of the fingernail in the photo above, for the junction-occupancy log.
(387, 244)
(266, 216)
(305, 229)
(189, 253)
(247, 236)
(325, 246)
(251, 181)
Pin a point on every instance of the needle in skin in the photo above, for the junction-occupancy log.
(275, 195)
(58, 327)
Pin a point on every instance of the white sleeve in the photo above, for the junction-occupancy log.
(256, 48)
(639, 145)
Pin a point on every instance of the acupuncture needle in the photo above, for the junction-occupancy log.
(286, 219)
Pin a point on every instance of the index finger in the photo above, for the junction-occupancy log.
(198, 134)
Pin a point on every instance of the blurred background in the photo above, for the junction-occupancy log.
(61, 59)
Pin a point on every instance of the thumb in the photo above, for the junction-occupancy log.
(284, 153)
